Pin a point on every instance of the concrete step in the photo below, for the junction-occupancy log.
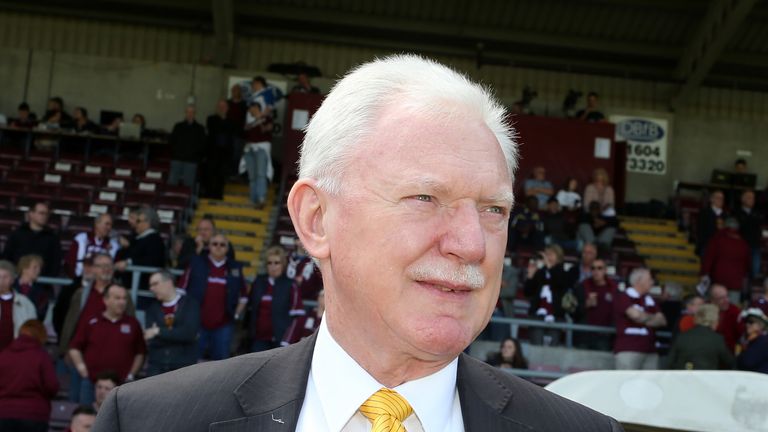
(231, 218)
(650, 228)
(685, 280)
(648, 221)
(669, 250)
(221, 209)
(687, 266)
(236, 188)
(644, 239)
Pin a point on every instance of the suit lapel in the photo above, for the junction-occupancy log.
(272, 396)
(485, 401)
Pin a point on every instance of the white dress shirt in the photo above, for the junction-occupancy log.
(338, 385)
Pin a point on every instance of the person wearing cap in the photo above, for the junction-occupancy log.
(754, 354)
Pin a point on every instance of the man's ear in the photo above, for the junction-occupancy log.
(307, 207)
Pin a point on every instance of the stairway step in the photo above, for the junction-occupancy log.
(686, 280)
(644, 239)
(226, 210)
(657, 264)
(648, 221)
(650, 228)
(231, 218)
(236, 188)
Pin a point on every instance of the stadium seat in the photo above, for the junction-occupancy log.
(61, 413)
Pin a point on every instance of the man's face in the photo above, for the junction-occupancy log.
(539, 173)
(142, 223)
(6, 279)
(218, 247)
(598, 271)
(23, 115)
(717, 200)
(189, 114)
(222, 107)
(32, 271)
(39, 215)
(103, 268)
(426, 279)
(82, 423)
(644, 284)
(719, 297)
(102, 389)
(103, 226)
(553, 206)
(748, 199)
(205, 230)
(740, 167)
(588, 254)
(161, 288)
(116, 300)
(694, 305)
(592, 101)
(236, 92)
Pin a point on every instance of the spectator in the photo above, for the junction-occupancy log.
(754, 355)
(218, 285)
(728, 322)
(709, 219)
(583, 271)
(237, 109)
(303, 85)
(15, 308)
(257, 152)
(305, 274)
(592, 112)
(637, 316)
(750, 227)
(692, 303)
(86, 303)
(27, 381)
(81, 123)
(34, 237)
(727, 260)
(86, 244)
(263, 95)
(187, 142)
(525, 227)
(538, 186)
(110, 341)
(138, 119)
(671, 304)
(546, 284)
(148, 248)
(83, 418)
(173, 323)
(105, 382)
(740, 166)
(275, 302)
(701, 347)
(127, 240)
(205, 229)
(510, 355)
(25, 119)
(598, 293)
(56, 115)
(600, 190)
(29, 268)
(556, 227)
(303, 326)
(596, 226)
(569, 197)
(222, 133)
(761, 302)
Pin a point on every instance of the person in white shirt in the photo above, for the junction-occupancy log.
(411, 255)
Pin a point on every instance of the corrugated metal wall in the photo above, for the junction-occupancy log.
(146, 42)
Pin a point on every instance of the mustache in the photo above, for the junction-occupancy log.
(463, 274)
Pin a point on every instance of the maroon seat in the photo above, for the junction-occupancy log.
(117, 184)
(134, 199)
(177, 191)
(67, 207)
(84, 181)
(32, 165)
(11, 153)
(175, 203)
(41, 156)
(22, 177)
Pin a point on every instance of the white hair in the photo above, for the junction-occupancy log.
(409, 82)
(636, 274)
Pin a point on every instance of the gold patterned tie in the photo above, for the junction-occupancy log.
(386, 409)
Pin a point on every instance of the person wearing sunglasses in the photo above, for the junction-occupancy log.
(754, 354)
(275, 302)
(599, 291)
(218, 285)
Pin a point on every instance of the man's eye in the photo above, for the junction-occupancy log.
(497, 209)
(425, 198)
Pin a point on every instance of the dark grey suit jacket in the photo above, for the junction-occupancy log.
(265, 391)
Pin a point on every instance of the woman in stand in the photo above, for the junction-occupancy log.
(600, 190)
(510, 356)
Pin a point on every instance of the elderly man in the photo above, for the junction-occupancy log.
(637, 316)
(218, 286)
(701, 347)
(15, 308)
(204, 230)
(110, 341)
(172, 322)
(87, 244)
(148, 248)
(598, 293)
(708, 220)
(411, 255)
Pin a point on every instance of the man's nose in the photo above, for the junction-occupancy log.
(464, 236)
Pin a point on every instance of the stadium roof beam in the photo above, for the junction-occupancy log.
(224, 31)
(722, 20)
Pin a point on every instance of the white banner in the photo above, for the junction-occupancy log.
(646, 142)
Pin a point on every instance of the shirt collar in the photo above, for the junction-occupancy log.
(343, 385)
(632, 292)
(173, 302)
(217, 264)
(145, 233)
(7, 297)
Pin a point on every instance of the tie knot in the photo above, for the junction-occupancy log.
(386, 409)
